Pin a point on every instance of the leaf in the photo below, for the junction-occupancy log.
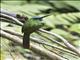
(75, 28)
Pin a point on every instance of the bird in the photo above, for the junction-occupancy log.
(31, 25)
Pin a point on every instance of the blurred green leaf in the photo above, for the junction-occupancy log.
(75, 27)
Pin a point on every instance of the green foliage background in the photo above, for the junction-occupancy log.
(65, 23)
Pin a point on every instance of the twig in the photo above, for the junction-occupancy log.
(7, 20)
(54, 41)
(8, 49)
(71, 47)
(4, 11)
(11, 18)
(35, 48)
(36, 40)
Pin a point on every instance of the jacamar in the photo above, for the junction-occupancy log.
(30, 26)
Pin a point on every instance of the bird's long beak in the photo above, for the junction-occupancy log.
(44, 16)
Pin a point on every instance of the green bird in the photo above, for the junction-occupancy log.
(30, 26)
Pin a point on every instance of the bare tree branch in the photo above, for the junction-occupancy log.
(35, 48)
(37, 40)
(11, 18)
(71, 47)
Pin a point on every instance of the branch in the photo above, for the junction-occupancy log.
(36, 40)
(21, 18)
(34, 48)
(54, 41)
(11, 18)
(8, 13)
(71, 47)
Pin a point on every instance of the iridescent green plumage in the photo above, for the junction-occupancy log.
(29, 27)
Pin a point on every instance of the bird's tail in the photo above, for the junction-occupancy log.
(26, 41)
